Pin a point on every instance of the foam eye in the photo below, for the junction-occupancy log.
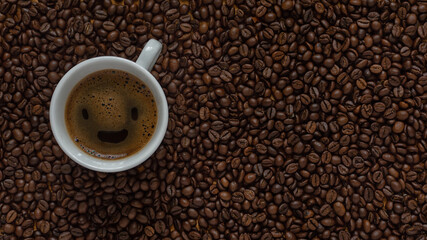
(134, 114)
(85, 114)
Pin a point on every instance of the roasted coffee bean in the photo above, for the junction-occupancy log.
(312, 224)
(246, 220)
(339, 209)
(11, 216)
(108, 25)
(331, 196)
(249, 194)
(149, 231)
(64, 235)
(101, 14)
(325, 210)
(311, 127)
(44, 226)
(214, 136)
(292, 168)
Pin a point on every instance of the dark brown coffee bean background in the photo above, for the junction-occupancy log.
(288, 119)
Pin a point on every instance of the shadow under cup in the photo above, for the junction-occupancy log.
(58, 106)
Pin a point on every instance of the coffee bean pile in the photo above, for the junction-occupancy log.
(289, 119)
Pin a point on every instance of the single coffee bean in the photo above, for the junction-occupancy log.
(339, 209)
(249, 194)
(312, 224)
(214, 136)
(331, 196)
(101, 14)
(44, 226)
(379, 107)
(11, 216)
(361, 84)
(214, 71)
(108, 25)
(376, 68)
(246, 220)
(311, 127)
(292, 168)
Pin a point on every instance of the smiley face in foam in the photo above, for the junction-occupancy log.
(111, 113)
(114, 114)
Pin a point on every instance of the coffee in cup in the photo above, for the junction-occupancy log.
(111, 114)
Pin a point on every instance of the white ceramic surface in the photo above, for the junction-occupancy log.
(141, 69)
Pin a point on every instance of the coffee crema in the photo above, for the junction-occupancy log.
(111, 114)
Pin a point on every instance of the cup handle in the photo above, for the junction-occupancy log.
(149, 54)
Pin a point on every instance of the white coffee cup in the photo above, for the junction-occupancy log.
(140, 69)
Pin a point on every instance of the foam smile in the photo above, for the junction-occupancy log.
(113, 136)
